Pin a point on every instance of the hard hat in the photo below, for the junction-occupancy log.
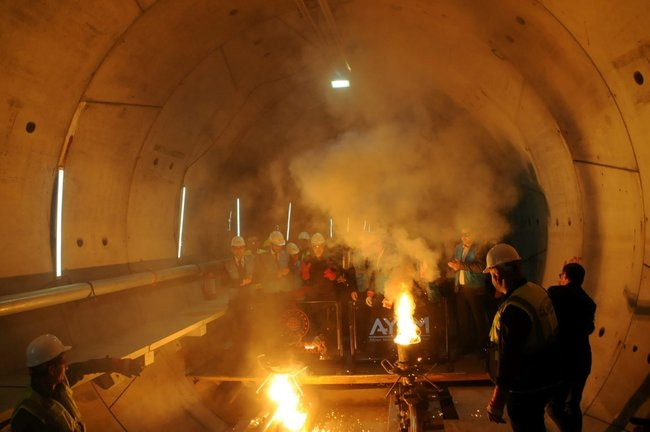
(43, 349)
(317, 239)
(292, 249)
(277, 238)
(303, 236)
(237, 241)
(501, 253)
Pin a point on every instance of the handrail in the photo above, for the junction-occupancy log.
(26, 301)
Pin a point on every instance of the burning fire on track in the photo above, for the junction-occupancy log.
(408, 332)
(285, 393)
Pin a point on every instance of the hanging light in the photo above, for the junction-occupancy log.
(340, 83)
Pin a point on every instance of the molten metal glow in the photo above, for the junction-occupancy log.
(407, 330)
(283, 391)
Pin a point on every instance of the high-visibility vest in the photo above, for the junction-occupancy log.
(533, 300)
(62, 413)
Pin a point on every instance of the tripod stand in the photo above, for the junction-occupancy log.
(415, 396)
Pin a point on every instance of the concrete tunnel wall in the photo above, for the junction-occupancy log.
(135, 98)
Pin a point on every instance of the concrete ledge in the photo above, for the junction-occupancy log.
(141, 342)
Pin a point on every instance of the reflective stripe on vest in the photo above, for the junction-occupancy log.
(533, 300)
(63, 414)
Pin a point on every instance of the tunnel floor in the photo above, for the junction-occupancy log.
(367, 410)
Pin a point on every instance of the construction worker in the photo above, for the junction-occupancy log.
(275, 263)
(372, 274)
(49, 405)
(319, 272)
(239, 268)
(253, 247)
(523, 337)
(294, 266)
(304, 243)
(575, 314)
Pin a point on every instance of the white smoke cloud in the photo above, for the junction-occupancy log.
(415, 185)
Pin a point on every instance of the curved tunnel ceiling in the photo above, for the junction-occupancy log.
(136, 98)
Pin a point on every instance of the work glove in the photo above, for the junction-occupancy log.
(496, 405)
(354, 296)
(329, 274)
(369, 296)
(388, 304)
(127, 367)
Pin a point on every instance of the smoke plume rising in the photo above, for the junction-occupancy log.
(407, 188)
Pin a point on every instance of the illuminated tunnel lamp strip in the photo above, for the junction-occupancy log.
(340, 83)
(59, 221)
(238, 219)
(180, 225)
(289, 222)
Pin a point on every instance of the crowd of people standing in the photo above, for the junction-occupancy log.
(535, 340)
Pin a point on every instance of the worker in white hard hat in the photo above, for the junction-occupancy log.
(294, 254)
(294, 268)
(48, 405)
(523, 339)
(320, 273)
(253, 247)
(239, 268)
(275, 263)
(304, 243)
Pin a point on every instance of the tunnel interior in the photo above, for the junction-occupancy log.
(526, 122)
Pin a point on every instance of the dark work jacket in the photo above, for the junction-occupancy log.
(317, 286)
(517, 368)
(575, 312)
(233, 274)
(24, 421)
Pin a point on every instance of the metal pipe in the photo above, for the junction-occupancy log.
(121, 283)
(21, 302)
(176, 272)
(31, 300)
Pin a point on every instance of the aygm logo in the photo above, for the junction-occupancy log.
(384, 329)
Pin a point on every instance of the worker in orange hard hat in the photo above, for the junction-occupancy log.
(49, 405)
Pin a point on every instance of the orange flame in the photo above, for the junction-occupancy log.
(407, 330)
(283, 391)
